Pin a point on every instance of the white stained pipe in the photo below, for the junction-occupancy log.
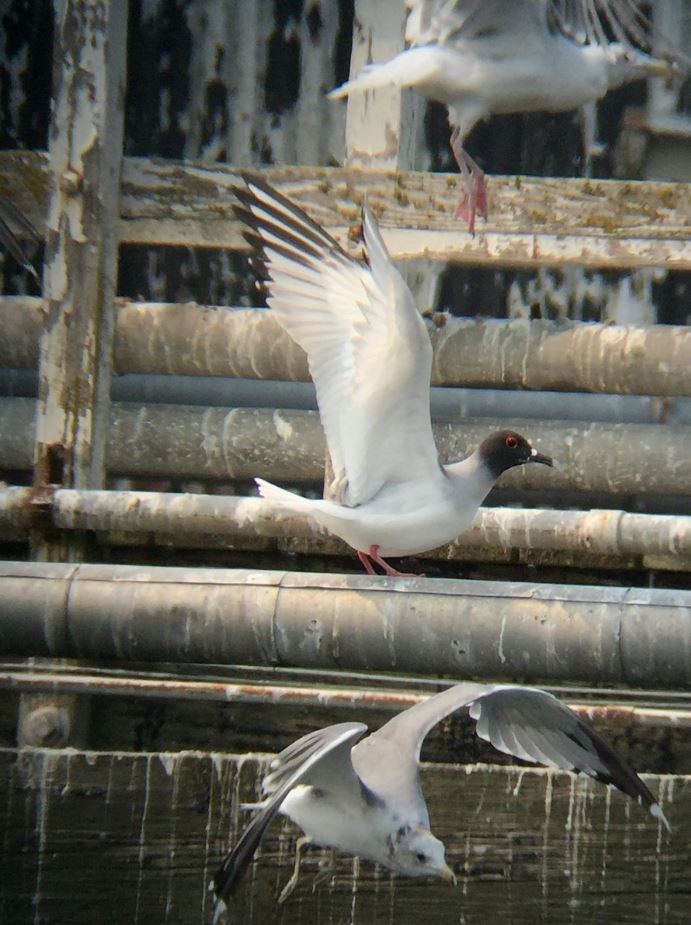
(597, 532)
(445, 628)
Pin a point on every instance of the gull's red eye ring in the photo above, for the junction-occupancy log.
(511, 442)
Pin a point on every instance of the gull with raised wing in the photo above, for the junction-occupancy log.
(370, 358)
(487, 57)
(365, 798)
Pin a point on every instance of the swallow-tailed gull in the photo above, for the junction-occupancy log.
(485, 57)
(370, 358)
(363, 796)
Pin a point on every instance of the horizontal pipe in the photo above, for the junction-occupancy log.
(647, 537)
(449, 403)
(358, 698)
(159, 441)
(194, 340)
(446, 628)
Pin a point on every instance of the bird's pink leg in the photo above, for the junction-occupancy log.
(473, 199)
(364, 558)
(373, 554)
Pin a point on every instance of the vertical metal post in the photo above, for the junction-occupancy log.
(75, 361)
(81, 248)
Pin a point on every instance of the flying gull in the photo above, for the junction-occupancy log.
(363, 796)
(370, 358)
(486, 57)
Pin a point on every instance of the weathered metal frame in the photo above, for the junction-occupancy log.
(174, 519)
(534, 221)
(447, 628)
(195, 340)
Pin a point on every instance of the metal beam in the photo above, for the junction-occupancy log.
(241, 443)
(534, 221)
(639, 636)
(661, 541)
(194, 340)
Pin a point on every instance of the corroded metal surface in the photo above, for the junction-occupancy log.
(194, 340)
(174, 518)
(215, 443)
(533, 220)
(440, 627)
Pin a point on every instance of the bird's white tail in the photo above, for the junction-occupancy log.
(282, 497)
(409, 69)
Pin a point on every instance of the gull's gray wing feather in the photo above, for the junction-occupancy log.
(594, 22)
(323, 755)
(599, 22)
(441, 22)
(533, 725)
(14, 225)
(525, 722)
(368, 349)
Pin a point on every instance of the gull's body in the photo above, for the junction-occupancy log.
(403, 518)
(487, 57)
(363, 796)
(371, 360)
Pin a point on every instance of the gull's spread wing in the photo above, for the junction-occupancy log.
(525, 722)
(324, 754)
(369, 353)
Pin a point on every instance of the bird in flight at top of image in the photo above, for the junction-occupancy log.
(494, 57)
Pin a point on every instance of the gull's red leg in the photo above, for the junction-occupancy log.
(473, 200)
(364, 558)
(389, 570)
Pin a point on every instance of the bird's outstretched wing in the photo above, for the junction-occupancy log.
(598, 22)
(525, 722)
(13, 226)
(320, 756)
(369, 353)
(441, 22)
(593, 22)
(533, 725)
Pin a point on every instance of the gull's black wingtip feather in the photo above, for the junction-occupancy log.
(10, 240)
(306, 753)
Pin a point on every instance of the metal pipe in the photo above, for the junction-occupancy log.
(213, 443)
(194, 340)
(650, 537)
(467, 629)
(449, 403)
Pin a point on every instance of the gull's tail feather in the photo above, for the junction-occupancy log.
(285, 498)
(410, 68)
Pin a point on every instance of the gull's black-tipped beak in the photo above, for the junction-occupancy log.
(541, 458)
(447, 875)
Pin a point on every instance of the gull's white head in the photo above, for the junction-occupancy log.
(415, 852)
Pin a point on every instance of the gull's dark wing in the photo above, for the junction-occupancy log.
(533, 725)
(325, 752)
(525, 722)
(14, 225)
